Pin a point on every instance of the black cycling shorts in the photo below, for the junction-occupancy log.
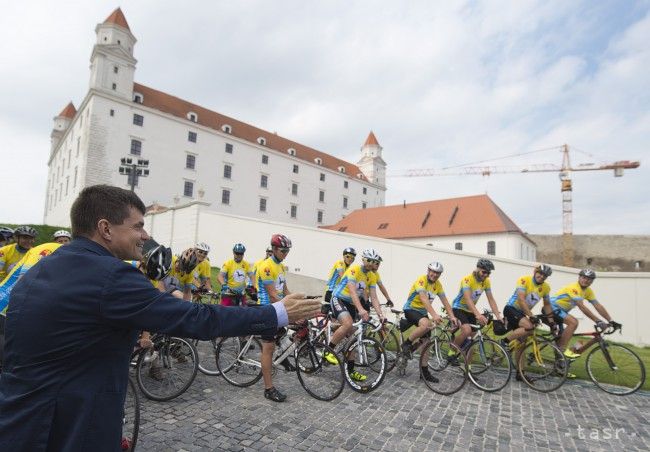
(339, 307)
(513, 316)
(414, 316)
(465, 317)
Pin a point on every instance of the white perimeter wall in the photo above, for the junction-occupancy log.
(314, 250)
(509, 245)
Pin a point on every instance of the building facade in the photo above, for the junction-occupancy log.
(194, 153)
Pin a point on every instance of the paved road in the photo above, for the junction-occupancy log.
(402, 415)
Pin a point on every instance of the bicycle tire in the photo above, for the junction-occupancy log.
(321, 379)
(447, 363)
(130, 418)
(372, 352)
(391, 344)
(545, 371)
(602, 374)
(489, 365)
(207, 351)
(239, 363)
(178, 364)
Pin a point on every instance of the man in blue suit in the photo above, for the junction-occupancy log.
(72, 323)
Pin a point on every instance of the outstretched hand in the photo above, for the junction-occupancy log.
(299, 308)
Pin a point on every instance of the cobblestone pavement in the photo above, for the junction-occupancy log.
(401, 415)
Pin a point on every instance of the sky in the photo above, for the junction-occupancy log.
(441, 84)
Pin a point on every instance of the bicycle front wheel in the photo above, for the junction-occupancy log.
(542, 366)
(369, 364)
(239, 360)
(207, 351)
(320, 378)
(388, 340)
(171, 372)
(488, 365)
(446, 363)
(130, 418)
(615, 369)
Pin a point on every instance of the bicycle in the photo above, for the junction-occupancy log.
(388, 334)
(130, 418)
(167, 369)
(206, 349)
(539, 362)
(239, 362)
(612, 367)
(489, 365)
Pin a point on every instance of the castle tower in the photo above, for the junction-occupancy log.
(61, 123)
(112, 65)
(371, 163)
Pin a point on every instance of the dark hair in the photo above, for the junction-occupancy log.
(101, 202)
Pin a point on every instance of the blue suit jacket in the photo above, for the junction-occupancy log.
(71, 326)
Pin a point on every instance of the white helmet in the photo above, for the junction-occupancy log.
(371, 253)
(202, 246)
(436, 267)
(62, 233)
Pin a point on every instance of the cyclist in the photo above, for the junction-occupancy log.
(6, 234)
(11, 254)
(337, 271)
(269, 253)
(272, 287)
(472, 287)
(181, 275)
(203, 269)
(418, 304)
(346, 303)
(571, 296)
(62, 236)
(233, 275)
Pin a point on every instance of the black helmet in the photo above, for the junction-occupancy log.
(588, 273)
(157, 262)
(188, 261)
(6, 233)
(25, 230)
(349, 250)
(485, 264)
(239, 248)
(544, 269)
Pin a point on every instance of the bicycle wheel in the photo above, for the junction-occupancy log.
(207, 351)
(615, 369)
(488, 364)
(321, 379)
(542, 366)
(239, 360)
(369, 362)
(446, 363)
(389, 341)
(130, 418)
(166, 371)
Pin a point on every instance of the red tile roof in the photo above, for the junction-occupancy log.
(117, 18)
(456, 216)
(69, 111)
(172, 105)
(371, 140)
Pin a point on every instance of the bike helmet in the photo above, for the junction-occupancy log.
(436, 267)
(280, 241)
(188, 261)
(202, 246)
(62, 233)
(485, 264)
(6, 232)
(239, 249)
(588, 273)
(25, 230)
(157, 262)
(349, 250)
(371, 254)
(544, 269)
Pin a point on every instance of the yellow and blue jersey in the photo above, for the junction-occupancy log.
(334, 278)
(10, 255)
(423, 285)
(363, 280)
(270, 271)
(202, 271)
(534, 292)
(30, 258)
(234, 274)
(567, 297)
(476, 288)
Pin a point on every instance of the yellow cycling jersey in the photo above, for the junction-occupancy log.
(364, 280)
(423, 285)
(9, 257)
(270, 271)
(532, 290)
(334, 277)
(566, 297)
(203, 270)
(136, 264)
(234, 274)
(30, 258)
(476, 289)
(254, 271)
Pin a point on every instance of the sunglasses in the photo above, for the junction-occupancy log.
(372, 261)
(202, 253)
(350, 255)
(484, 272)
(239, 254)
(284, 250)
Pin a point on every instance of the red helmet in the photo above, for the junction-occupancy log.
(280, 241)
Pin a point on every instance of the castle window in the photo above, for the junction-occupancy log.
(261, 140)
(138, 98)
(225, 196)
(342, 169)
(191, 136)
(345, 184)
(138, 120)
(226, 128)
(295, 169)
(291, 151)
(192, 116)
(365, 191)
(322, 177)
(318, 161)
(227, 171)
(228, 148)
(188, 189)
(115, 69)
(114, 86)
(136, 147)
(190, 161)
(265, 159)
(491, 248)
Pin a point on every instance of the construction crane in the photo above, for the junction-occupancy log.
(564, 170)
